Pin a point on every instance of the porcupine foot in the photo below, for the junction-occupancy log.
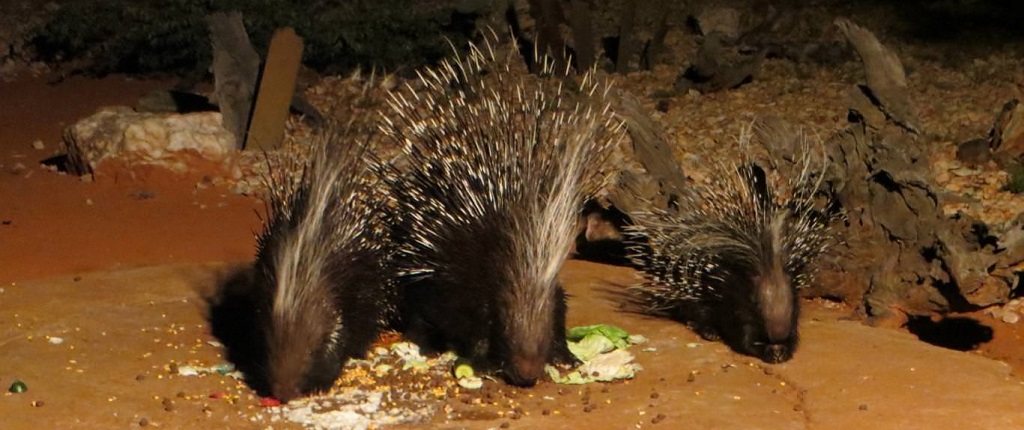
(560, 353)
(707, 333)
(699, 318)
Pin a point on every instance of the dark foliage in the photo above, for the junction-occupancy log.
(106, 36)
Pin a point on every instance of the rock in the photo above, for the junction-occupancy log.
(145, 138)
(974, 152)
(1010, 317)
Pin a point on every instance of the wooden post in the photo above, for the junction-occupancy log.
(266, 127)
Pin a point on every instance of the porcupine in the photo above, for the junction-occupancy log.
(320, 276)
(497, 166)
(730, 258)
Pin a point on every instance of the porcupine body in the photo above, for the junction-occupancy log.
(731, 257)
(320, 276)
(497, 166)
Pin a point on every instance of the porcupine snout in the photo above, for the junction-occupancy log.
(285, 391)
(528, 339)
(525, 371)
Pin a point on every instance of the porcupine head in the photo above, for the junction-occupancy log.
(302, 351)
(320, 271)
(496, 299)
(775, 337)
(531, 315)
(755, 308)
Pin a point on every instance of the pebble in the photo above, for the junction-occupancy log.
(38, 144)
(1010, 317)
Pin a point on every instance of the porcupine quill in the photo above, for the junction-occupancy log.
(730, 258)
(319, 285)
(498, 165)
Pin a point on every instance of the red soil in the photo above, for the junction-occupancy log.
(54, 224)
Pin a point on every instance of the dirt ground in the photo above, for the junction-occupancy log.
(116, 270)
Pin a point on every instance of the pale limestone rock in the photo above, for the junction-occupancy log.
(159, 139)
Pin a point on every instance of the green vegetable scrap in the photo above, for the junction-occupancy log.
(467, 378)
(18, 387)
(602, 349)
(618, 336)
(463, 369)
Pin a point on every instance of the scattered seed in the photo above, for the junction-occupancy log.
(588, 408)
(658, 418)
(655, 395)
(140, 377)
(143, 422)
(863, 407)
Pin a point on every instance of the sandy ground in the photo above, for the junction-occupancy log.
(117, 270)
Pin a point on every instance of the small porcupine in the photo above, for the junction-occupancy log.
(320, 277)
(731, 256)
(497, 166)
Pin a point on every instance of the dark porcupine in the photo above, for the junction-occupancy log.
(320, 279)
(731, 256)
(496, 168)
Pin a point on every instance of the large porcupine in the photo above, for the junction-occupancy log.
(320, 283)
(497, 166)
(729, 258)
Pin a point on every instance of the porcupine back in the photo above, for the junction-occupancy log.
(731, 257)
(320, 268)
(497, 167)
